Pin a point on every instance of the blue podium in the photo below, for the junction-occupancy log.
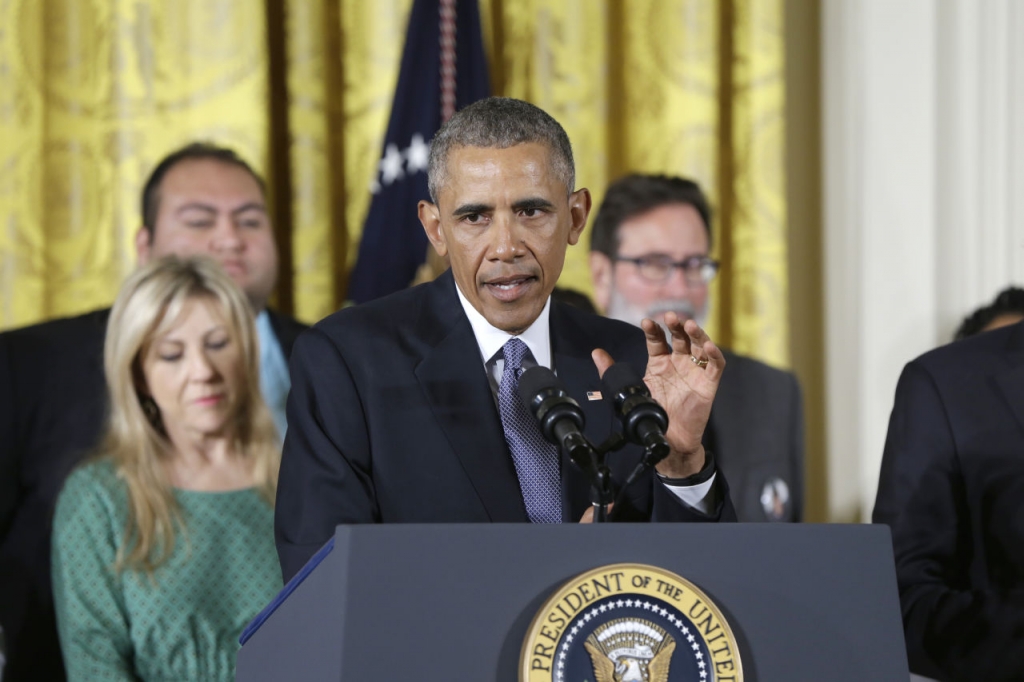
(456, 602)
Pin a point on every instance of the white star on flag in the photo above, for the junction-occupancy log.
(390, 169)
(417, 155)
(391, 165)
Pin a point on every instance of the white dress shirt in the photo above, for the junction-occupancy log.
(537, 338)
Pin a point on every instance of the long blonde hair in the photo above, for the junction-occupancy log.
(151, 300)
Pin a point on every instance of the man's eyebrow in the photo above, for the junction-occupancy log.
(200, 206)
(251, 206)
(196, 206)
(469, 209)
(532, 203)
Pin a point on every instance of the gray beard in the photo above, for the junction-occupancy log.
(621, 309)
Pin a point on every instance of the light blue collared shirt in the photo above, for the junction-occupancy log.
(274, 379)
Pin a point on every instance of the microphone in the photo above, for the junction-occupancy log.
(558, 414)
(644, 421)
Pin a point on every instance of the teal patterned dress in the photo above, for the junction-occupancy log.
(183, 621)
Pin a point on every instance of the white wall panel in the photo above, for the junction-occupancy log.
(924, 199)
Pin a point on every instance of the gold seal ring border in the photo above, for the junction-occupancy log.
(700, 363)
(537, 622)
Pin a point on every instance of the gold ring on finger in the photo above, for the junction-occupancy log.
(700, 363)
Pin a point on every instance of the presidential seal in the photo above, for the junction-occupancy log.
(629, 623)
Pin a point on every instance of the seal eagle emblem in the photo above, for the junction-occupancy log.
(629, 623)
(630, 650)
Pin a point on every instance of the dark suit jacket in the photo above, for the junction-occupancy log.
(757, 434)
(52, 408)
(391, 419)
(952, 490)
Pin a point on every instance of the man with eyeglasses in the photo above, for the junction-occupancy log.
(649, 255)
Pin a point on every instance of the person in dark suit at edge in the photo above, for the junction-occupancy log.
(201, 199)
(951, 488)
(405, 409)
(650, 253)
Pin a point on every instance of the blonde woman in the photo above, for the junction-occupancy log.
(163, 545)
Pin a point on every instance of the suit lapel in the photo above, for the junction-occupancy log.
(1011, 382)
(455, 383)
(570, 352)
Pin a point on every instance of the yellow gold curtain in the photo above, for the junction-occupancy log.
(92, 93)
(753, 184)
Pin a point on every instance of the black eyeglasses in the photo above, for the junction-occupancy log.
(658, 268)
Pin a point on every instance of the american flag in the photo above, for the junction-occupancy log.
(443, 68)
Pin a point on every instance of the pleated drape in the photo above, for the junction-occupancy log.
(94, 92)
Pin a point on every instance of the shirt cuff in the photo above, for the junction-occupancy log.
(696, 491)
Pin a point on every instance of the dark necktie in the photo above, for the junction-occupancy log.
(536, 460)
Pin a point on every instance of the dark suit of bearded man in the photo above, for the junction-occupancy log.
(756, 431)
(392, 419)
(952, 490)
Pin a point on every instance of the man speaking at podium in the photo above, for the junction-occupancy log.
(406, 409)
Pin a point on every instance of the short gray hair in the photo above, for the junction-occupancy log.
(500, 122)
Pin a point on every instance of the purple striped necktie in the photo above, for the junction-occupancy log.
(536, 460)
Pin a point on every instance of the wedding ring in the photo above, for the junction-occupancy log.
(699, 363)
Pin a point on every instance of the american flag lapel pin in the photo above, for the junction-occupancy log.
(593, 395)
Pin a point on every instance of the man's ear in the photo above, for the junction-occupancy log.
(601, 276)
(579, 209)
(430, 218)
(143, 246)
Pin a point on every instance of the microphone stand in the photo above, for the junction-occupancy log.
(652, 455)
(602, 493)
(592, 460)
